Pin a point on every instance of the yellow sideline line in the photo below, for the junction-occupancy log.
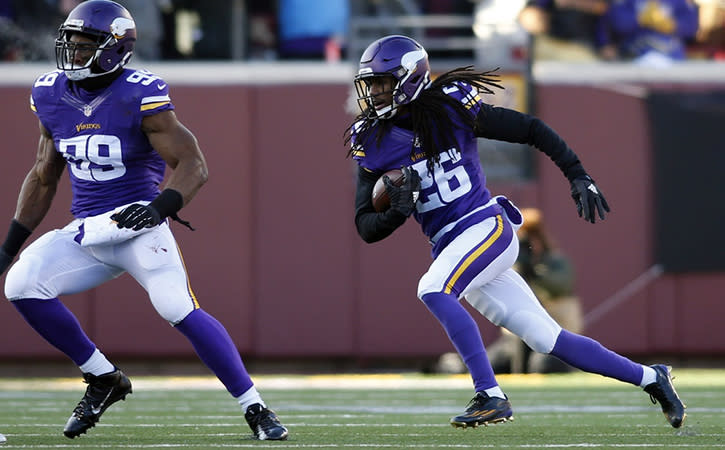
(683, 378)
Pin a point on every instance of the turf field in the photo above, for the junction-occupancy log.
(370, 411)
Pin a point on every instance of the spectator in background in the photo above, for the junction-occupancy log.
(262, 36)
(550, 275)
(214, 41)
(710, 39)
(8, 32)
(168, 45)
(312, 29)
(563, 29)
(650, 32)
(28, 29)
(149, 26)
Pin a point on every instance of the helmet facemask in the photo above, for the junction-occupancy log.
(366, 99)
(66, 51)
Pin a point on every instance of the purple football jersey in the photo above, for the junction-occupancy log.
(455, 190)
(110, 160)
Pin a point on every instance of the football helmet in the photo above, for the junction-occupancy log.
(112, 30)
(400, 57)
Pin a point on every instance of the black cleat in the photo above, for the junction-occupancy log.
(264, 423)
(482, 410)
(102, 392)
(664, 392)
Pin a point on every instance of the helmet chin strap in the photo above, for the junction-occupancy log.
(387, 112)
(78, 75)
(85, 73)
(98, 81)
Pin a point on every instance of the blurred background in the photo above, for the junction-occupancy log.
(637, 89)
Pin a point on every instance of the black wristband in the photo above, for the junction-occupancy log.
(17, 235)
(168, 202)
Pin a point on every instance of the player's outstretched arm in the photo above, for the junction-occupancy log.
(35, 198)
(509, 125)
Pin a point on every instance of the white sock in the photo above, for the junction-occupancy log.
(649, 376)
(495, 392)
(250, 397)
(97, 364)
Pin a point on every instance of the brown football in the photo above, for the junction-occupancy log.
(381, 201)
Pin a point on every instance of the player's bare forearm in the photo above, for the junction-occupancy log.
(34, 202)
(188, 177)
(40, 184)
(180, 149)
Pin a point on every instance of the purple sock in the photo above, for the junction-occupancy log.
(52, 320)
(589, 355)
(465, 335)
(216, 349)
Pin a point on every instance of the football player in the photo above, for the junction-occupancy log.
(429, 128)
(115, 130)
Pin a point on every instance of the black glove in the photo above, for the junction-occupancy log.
(403, 197)
(588, 198)
(137, 216)
(5, 261)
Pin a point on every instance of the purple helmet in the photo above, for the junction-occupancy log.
(400, 57)
(111, 27)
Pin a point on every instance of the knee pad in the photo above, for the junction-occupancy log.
(22, 280)
(530, 322)
(426, 285)
(172, 302)
(537, 331)
(493, 310)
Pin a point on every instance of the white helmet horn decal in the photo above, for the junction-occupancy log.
(410, 59)
(120, 25)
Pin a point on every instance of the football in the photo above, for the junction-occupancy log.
(381, 201)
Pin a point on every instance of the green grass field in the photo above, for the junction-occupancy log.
(370, 411)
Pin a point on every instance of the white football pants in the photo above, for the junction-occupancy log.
(497, 292)
(55, 265)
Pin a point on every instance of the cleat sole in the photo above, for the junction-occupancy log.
(486, 423)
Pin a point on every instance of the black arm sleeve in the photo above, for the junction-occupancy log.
(372, 226)
(503, 124)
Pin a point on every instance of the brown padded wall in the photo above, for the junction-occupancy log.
(277, 260)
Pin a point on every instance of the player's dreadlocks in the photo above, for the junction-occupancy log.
(430, 114)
